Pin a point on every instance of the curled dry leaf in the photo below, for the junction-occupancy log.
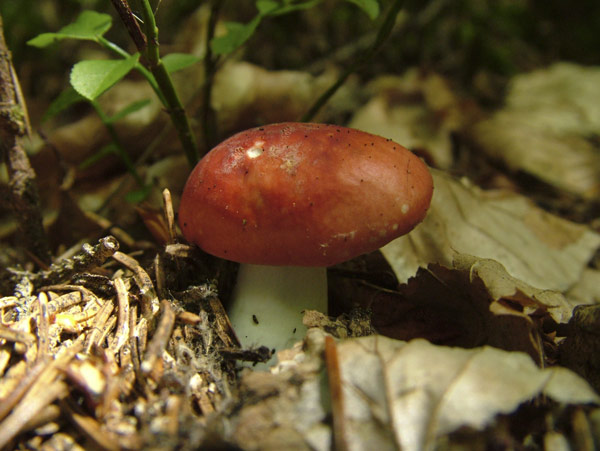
(534, 246)
(405, 395)
(501, 286)
(544, 129)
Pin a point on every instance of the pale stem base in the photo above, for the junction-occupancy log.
(267, 303)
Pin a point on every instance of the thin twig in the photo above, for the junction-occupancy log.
(90, 257)
(144, 282)
(30, 377)
(169, 215)
(15, 335)
(29, 408)
(337, 394)
(43, 324)
(46, 387)
(100, 436)
(159, 340)
(98, 326)
(122, 334)
(132, 25)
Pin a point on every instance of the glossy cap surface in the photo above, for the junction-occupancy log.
(303, 195)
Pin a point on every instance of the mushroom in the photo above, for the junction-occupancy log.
(286, 201)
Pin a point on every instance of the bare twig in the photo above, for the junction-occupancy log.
(169, 215)
(102, 438)
(149, 300)
(15, 335)
(43, 325)
(13, 128)
(29, 407)
(223, 326)
(90, 257)
(75, 296)
(337, 394)
(39, 390)
(135, 339)
(132, 25)
(17, 393)
(122, 334)
(99, 326)
(160, 339)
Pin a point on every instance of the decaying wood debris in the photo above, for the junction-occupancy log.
(92, 355)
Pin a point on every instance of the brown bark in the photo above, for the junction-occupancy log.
(22, 181)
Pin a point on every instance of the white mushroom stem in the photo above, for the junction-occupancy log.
(267, 303)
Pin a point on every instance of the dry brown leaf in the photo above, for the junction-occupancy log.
(394, 394)
(501, 286)
(285, 409)
(562, 97)
(245, 95)
(405, 395)
(534, 246)
(417, 110)
(475, 303)
(587, 290)
(544, 129)
(580, 351)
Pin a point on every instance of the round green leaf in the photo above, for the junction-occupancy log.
(370, 7)
(90, 25)
(92, 77)
(178, 61)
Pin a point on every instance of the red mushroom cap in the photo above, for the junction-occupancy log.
(303, 195)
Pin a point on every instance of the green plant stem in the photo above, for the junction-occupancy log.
(174, 106)
(139, 67)
(117, 142)
(324, 98)
(384, 32)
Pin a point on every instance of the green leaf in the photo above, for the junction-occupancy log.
(138, 195)
(237, 34)
(92, 77)
(89, 26)
(65, 99)
(266, 6)
(370, 7)
(178, 61)
(131, 108)
(289, 7)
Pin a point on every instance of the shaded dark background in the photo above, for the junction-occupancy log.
(461, 39)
